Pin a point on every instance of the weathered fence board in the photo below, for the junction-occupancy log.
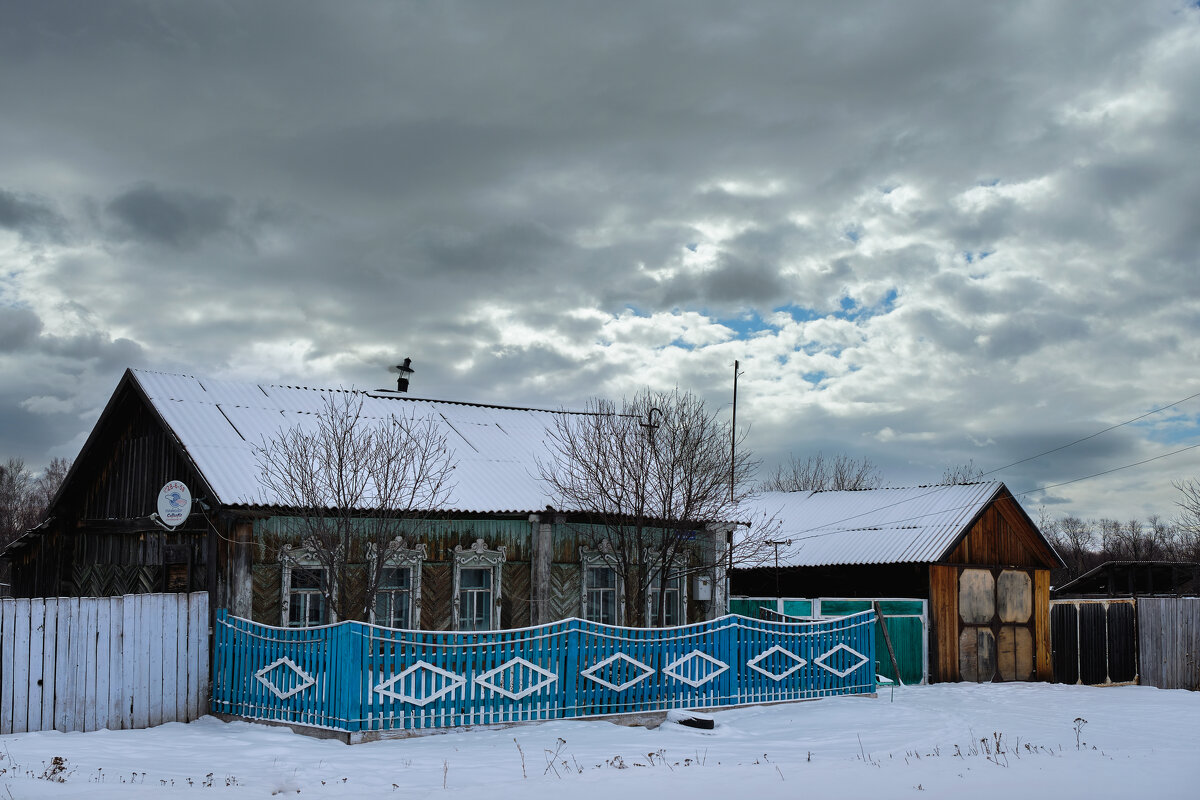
(84, 664)
(1169, 641)
(357, 677)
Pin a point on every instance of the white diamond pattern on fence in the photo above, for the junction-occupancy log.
(620, 666)
(841, 673)
(421, 677)
(366, 678)
(520, 672)
(301, 680)
(695, 669)
(796, 662)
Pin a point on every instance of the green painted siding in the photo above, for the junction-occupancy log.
(902, 617)
(748, 607)
(798, 608)
(438, 536)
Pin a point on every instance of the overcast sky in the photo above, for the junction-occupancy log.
(930, 232)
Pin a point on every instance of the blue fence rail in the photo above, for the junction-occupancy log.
(358, 677)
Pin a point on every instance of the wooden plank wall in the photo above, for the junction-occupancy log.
(1169, 642)
(1043, 662)
(1002, 537)
(85, 664)
(943, 619)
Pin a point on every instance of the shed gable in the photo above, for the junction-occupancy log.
(1002, 534)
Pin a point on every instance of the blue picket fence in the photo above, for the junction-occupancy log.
(358, 677)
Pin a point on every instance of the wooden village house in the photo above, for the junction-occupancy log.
(496, 556)
(970, 550)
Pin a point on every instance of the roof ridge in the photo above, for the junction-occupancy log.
(381, 394)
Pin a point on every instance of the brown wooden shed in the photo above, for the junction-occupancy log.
(969, 549)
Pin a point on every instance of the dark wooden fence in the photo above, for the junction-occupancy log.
(1154, 641)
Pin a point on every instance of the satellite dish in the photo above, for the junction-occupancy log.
(174, 504)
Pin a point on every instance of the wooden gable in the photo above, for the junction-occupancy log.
(129, 456)
(1002, 534)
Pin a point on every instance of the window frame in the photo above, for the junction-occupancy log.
(680, 592)
(478, 556)
(304, 558)
(594, 559)
(399, 556)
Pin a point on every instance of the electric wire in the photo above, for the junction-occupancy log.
(1015, 463)
(1091, 436)
(799, 537)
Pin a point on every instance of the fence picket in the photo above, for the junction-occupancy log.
(37, 625)
(21, 678)
(7, 659)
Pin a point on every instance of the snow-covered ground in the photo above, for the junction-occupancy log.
(1010, 741)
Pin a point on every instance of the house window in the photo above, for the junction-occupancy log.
(398, 592)
(673, 599)
(601, 601)
(393, 598)
(306, 586)
(475, 599)
(306, 597)
(600, 595)
(477, 587)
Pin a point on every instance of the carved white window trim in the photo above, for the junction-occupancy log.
(398, 554)
(303, 557)
(477, 556)
(590, 559)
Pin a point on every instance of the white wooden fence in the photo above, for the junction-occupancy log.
(83, 664)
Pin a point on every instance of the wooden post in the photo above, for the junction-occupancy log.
(887, 639)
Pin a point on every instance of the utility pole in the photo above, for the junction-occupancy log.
(733, 437)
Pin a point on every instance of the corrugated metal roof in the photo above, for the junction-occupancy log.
(221, 424)
(872, 526)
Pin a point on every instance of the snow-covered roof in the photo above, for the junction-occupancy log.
(870, 526)
(221, 424)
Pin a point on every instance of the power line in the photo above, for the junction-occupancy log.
(798, 537)
(1039, 455)
(1107, 471)
(1091, 436)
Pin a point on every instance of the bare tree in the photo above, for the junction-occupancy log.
(652, 474)
(1074, 540)
(819, 473)
(24, 497)
(46, 485)
(359, 488)
(16, 512)
(961, 473)
(1187, 520)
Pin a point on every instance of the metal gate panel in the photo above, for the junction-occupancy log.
(1064, 638)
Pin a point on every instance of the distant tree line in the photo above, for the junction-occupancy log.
(1086, 544)
(24, 499)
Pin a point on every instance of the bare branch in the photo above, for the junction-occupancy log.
(359, 488)
(818, 473)
(652, 475)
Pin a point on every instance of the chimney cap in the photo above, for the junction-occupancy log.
(402, 371)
